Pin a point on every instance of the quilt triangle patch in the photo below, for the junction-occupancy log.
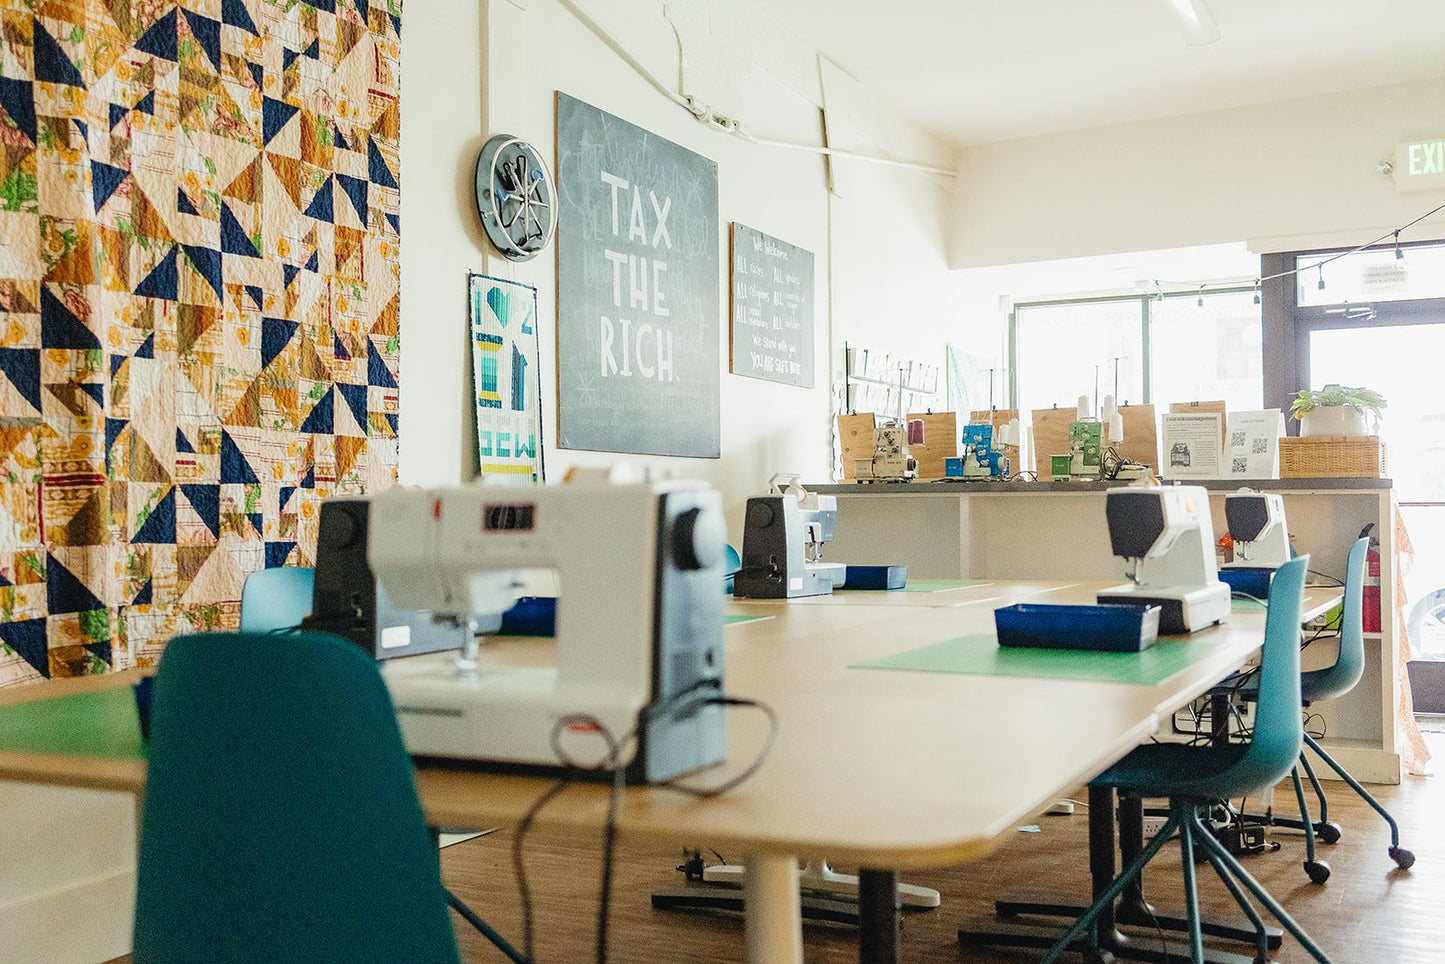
(206, 500)
(377, 170)
(320, 420)
(160, 39)
(275, 114)
(52, 66)
(234, 12)
(160, 525)
(64, 593)
(234, 467)
(28, 637)
(355, 397)
(104, 179)
(164, 279)
(183, 444)
(207, 33)
(60, 328)
(207, 262)
(376, 371)
(22, 367)
(277, 553)
(355, 189)
(146, 594)
(183, 203)
(320, 207)
(233, 236)
(17, 97)
(276, 334)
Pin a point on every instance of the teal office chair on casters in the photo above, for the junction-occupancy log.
(281, 821)
(1328, 683)
(276, 599)
(1194, 777)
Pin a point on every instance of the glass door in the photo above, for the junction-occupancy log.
(1406, 364)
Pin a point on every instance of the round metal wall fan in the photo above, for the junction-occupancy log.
(516, 197)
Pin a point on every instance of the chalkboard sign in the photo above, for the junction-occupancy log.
(638, 306)
(772, 296)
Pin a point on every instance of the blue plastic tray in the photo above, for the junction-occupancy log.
(1249, 580)
(1120, 628)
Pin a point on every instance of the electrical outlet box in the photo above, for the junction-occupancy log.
(1152, 826)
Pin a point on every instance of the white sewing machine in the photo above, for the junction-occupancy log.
(783, 538)
(639, 622)
(1166, 537)
(1256, 524)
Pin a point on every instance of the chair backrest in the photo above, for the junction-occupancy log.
(276, 598)
(1278, 723)
(1349, 666)
(281, 820)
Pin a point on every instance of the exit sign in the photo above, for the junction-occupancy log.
(1420, 165)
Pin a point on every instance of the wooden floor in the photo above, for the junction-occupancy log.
(1368, 911)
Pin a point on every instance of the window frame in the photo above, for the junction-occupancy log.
(1147, 301)
(1288, 325)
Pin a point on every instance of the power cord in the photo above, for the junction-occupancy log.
(679, 705)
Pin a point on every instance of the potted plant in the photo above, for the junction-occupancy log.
(1337, 410)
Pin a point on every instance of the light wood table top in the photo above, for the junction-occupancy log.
(880, 768)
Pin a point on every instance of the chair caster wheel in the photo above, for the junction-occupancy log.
(1328, 832)
(1403, 858)
(1318, 871)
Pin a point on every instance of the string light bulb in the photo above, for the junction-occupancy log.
(1200, 302)
(1399, 251)
(1256, 291)
(1321, 266)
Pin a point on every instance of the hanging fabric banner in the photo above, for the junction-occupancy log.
(506, 380)
(199, 254)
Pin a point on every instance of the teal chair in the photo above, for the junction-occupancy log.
(1195, 777)
(276, 599)
(281, 821)
(1326, 684)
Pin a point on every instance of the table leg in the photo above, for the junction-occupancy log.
(1101, 851)
(774, 921)
(878, 918)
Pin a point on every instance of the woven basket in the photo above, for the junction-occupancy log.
(1332, 457)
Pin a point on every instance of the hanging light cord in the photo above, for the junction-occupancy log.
(719, 122)
(1317, 265)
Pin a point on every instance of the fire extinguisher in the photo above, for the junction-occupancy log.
(1370, 615)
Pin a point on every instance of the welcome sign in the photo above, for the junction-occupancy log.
(638, 302)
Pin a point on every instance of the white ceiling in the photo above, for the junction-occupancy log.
(979, 71)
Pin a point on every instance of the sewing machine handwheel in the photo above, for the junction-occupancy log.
(697, 539)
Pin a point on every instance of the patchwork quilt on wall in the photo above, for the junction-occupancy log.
(199, 264)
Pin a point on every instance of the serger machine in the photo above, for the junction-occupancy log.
(783, 538)
(639, 622)
(1166, 537)
(1257, 527)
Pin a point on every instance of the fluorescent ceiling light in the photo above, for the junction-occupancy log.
(1196, 21)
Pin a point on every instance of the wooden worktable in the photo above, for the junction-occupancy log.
(885, 769)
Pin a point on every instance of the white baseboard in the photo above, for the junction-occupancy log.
(87, 923)
(1365, 764)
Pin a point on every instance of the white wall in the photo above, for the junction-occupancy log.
(882, 247)
(1278, 175)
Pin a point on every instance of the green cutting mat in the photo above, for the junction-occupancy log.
(979, 654)
(1240, 604)
(102, 723)
(926, 585)
(745, 618)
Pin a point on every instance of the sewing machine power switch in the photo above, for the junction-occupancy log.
(697, 539)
